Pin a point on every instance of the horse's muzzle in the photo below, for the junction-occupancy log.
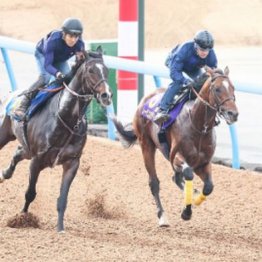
(106, 99)
(230, 116)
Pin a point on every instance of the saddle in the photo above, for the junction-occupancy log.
(42, 97)
(151, 107)
(37, 102)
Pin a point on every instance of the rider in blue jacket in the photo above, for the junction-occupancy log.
(52, 53)
(188, 58)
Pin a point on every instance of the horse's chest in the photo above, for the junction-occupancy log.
(198, 150)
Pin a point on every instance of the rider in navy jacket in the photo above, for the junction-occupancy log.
(52, 53)
(189, 58)
(55, 50)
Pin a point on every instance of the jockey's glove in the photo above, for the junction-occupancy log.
(188, 82)
(59, 76)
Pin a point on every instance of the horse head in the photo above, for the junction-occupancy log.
(93, 75)
(219, 93)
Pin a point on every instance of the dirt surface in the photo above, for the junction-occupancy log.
(112, 184)
(167, 22)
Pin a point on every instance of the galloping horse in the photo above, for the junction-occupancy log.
(190, 139)
(57, 133)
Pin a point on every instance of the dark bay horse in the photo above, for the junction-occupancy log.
(57, 133)
(191, 139)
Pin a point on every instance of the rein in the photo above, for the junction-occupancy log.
(86, 97)
(202, 100)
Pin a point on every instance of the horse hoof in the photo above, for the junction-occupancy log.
(1, 177)
(186, 215)
(61, 232)
(163, 222)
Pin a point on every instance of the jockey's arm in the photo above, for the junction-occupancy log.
(176, 72)
(49, 59)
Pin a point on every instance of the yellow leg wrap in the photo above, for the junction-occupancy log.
(188, 191)
(199, 199)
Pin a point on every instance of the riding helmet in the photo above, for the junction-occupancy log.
(204, 39)
(72, 26)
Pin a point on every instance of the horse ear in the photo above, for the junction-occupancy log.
(80, 56)
(99, 49)
(208, 69)
(226, 71)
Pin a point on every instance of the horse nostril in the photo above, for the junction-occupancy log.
(104, 96)
(233, 114)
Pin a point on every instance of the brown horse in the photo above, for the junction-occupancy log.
(56, 134)
(190, 140)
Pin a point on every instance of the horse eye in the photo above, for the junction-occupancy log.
(218, 90)
(91, 71)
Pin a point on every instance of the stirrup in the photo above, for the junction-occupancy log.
(161, 117)
(19, 115)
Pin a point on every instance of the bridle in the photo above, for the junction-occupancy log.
(218, 103)
(93, 89)
(217, 107)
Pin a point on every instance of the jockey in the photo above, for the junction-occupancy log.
(187, 58)
(52, 53)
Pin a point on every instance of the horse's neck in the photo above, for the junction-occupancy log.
(70, 106)
(202, 116)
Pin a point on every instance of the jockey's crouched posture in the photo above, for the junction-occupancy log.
(189, 58)
(52, 53)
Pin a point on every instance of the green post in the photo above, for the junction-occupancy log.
(95, 113)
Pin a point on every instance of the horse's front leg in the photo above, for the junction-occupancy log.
(33, 177)
(188, 193)
(8, 172)
(205, 174)
(70, 168)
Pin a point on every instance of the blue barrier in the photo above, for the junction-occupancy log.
(126, 65)
(9, 69)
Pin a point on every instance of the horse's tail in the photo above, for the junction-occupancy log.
(126, 133)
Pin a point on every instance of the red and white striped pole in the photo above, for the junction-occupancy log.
(127, 48)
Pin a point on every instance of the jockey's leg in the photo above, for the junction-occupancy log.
(166, 103)
(28, 96)
(43, 79)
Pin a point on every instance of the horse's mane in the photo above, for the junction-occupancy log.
(199, 81)
(84, 56)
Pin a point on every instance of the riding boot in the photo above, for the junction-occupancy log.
(165, 104)
(20, 111)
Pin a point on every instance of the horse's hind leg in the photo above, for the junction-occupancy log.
(178, 176)
(6, 134)
(8, 172)
(148, 150)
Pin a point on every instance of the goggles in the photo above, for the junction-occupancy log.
(202, 49)
(73, 34)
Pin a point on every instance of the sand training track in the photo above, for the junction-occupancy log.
(227, 227)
